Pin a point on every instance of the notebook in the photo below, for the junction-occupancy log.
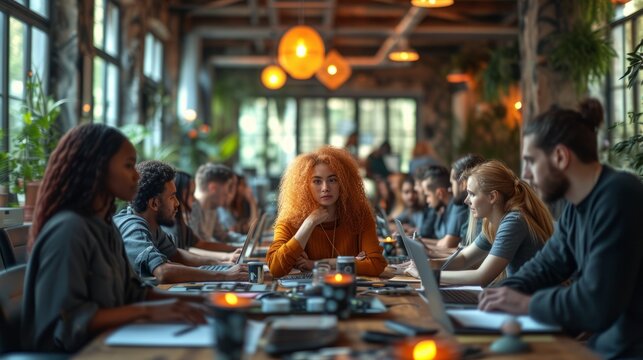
(464, 320)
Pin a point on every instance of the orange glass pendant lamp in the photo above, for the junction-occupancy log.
(432, 3)
(334, 71)
(301, 52)
(273, 77)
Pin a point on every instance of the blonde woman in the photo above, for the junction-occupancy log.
(515, 225)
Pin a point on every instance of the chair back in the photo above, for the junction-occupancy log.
(11, 287)
(18, 237)
(7, 258)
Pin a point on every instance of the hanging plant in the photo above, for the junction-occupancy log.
(502, 71)
(582, 54)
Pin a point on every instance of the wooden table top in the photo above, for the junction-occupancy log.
(409, 308)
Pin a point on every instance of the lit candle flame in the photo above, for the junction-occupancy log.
(425, 350)
(231, 299)
(338, 277)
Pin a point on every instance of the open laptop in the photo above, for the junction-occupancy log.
(464, 320)
(383, 231)
(253, 234)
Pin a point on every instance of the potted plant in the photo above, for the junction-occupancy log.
(33, 142)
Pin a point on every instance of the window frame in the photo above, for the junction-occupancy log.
(31, 19)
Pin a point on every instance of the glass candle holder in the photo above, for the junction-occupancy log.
(389, 246)
(229, 324)
(337, 290)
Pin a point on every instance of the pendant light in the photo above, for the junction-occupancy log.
(334, 71)
(273, 77)
(403, 53)
(432, 3)
(301, 52)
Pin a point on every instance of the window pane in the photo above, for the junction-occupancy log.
(149, 55)
(282, 119)
(40, 6)
(3, 55)
(402, 119)
(372, 125)
(252, 127)
(312, 127)
(157, 74)
(15, 117)
(618, 113)
(341, 113)
(99, 23)
(98, 90)
(619, 61)
(17, 66)
(39, 55)
(112, 29)
(111, 101)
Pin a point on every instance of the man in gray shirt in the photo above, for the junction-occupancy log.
(597, 243)
(151, 250)
(214, 183)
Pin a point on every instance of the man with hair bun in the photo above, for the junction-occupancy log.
(597, 244)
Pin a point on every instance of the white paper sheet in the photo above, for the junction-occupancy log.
(163, 335)
(471, 318)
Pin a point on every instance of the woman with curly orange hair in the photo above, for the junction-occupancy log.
(324, 213)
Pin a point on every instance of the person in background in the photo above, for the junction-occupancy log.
(324, 213)
(597, 242)
(152, 251)
(79, 282)
(422, 156)
(242, 209)
(375, 165)
(515, 225)
(185, 238)
(450, 215)
(215, 184)
(413, 212)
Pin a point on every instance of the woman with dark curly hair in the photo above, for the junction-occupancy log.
(79, 281)
(323, 213)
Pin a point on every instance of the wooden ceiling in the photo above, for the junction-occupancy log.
(245, 32)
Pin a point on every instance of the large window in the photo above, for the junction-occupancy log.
(106, 66)
(627, 32)
(153, 92)
(24, 51)
(274, 130)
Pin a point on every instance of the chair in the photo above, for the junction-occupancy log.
(18, 237)
(11, 281)
(7, 258)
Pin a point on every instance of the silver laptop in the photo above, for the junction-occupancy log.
(464, 320)
(254, 233)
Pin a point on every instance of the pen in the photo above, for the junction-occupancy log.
(185, 330)
(451, 258)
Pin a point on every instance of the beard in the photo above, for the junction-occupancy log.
(554, 186)
(165, 220)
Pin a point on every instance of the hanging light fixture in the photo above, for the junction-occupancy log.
(273, 77)
(301, 52)
(432, 3)
(334, 71)
(403, 53)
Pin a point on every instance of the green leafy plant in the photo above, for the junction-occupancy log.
(137, 133)
(37, 136)
(629, 151)
(582, 54)
(503, 70)
(204, 145)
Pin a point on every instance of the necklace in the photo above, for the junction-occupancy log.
(332, 243)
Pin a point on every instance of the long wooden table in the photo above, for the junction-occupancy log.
(411, 308)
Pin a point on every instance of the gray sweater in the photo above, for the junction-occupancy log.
(77, 266)
(599, 245)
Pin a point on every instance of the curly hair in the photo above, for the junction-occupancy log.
(154, 174)
(296, 200)
(77, 173)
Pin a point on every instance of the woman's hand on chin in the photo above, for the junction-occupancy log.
(319, 216)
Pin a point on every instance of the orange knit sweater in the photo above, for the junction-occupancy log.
(285, 249)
